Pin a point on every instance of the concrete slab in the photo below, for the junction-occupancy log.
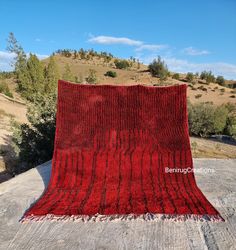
(219, 186)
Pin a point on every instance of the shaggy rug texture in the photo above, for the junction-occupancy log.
(122, 152)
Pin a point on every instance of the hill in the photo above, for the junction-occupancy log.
(139, 74)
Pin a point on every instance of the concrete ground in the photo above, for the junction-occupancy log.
(219, 186)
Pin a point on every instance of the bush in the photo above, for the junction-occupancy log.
(220, 117)
(79, 79)
(110, 73)
(176, 76)
(205, 119)
(201, 120)
(4, 89)
(92, 77)
(190, 77)
(158, 68)
(34, 142)
(121, 64)
(198, 96)
(230, 128)
(220, 80)
(232, 85)
(202, 88)
(208, 76)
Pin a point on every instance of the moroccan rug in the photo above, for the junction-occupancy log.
(122, 153)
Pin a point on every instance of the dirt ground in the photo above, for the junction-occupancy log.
(8, 110)
(209, 148)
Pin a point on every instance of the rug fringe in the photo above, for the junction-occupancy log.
(124, 217)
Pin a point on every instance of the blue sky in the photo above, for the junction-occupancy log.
(188, 35)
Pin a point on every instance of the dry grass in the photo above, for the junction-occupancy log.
(2, 113)
(207, 148)
(80, 68)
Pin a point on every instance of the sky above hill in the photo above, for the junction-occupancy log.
(188, 35)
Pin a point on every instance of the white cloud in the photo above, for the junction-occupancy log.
(218, 68)
(183, 66)
(151, 47)
(115, 40)
(195, 52)
(6, 59)
(41, 56)
(4, 55)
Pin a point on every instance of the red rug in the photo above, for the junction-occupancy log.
(113, 147)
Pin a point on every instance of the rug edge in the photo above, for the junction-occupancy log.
(124, 217)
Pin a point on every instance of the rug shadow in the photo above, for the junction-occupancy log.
(44, 171)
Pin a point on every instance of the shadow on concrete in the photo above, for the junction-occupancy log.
(223, 139)
(45, 172)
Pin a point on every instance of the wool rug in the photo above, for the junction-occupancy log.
(122, 153)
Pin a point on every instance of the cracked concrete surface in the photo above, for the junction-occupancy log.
(17, 194)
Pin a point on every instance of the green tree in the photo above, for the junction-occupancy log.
(51, 75)
(29, 72)
(230, 128)
(201, 119)
(206, 119)
(33, 142)
(36, 73)
(231, 125)
(158, 68)
(20, 61)
(13, 46)
(220, 118)
(208, 76)
(31, 78)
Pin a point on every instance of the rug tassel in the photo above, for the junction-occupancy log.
(124, 217)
